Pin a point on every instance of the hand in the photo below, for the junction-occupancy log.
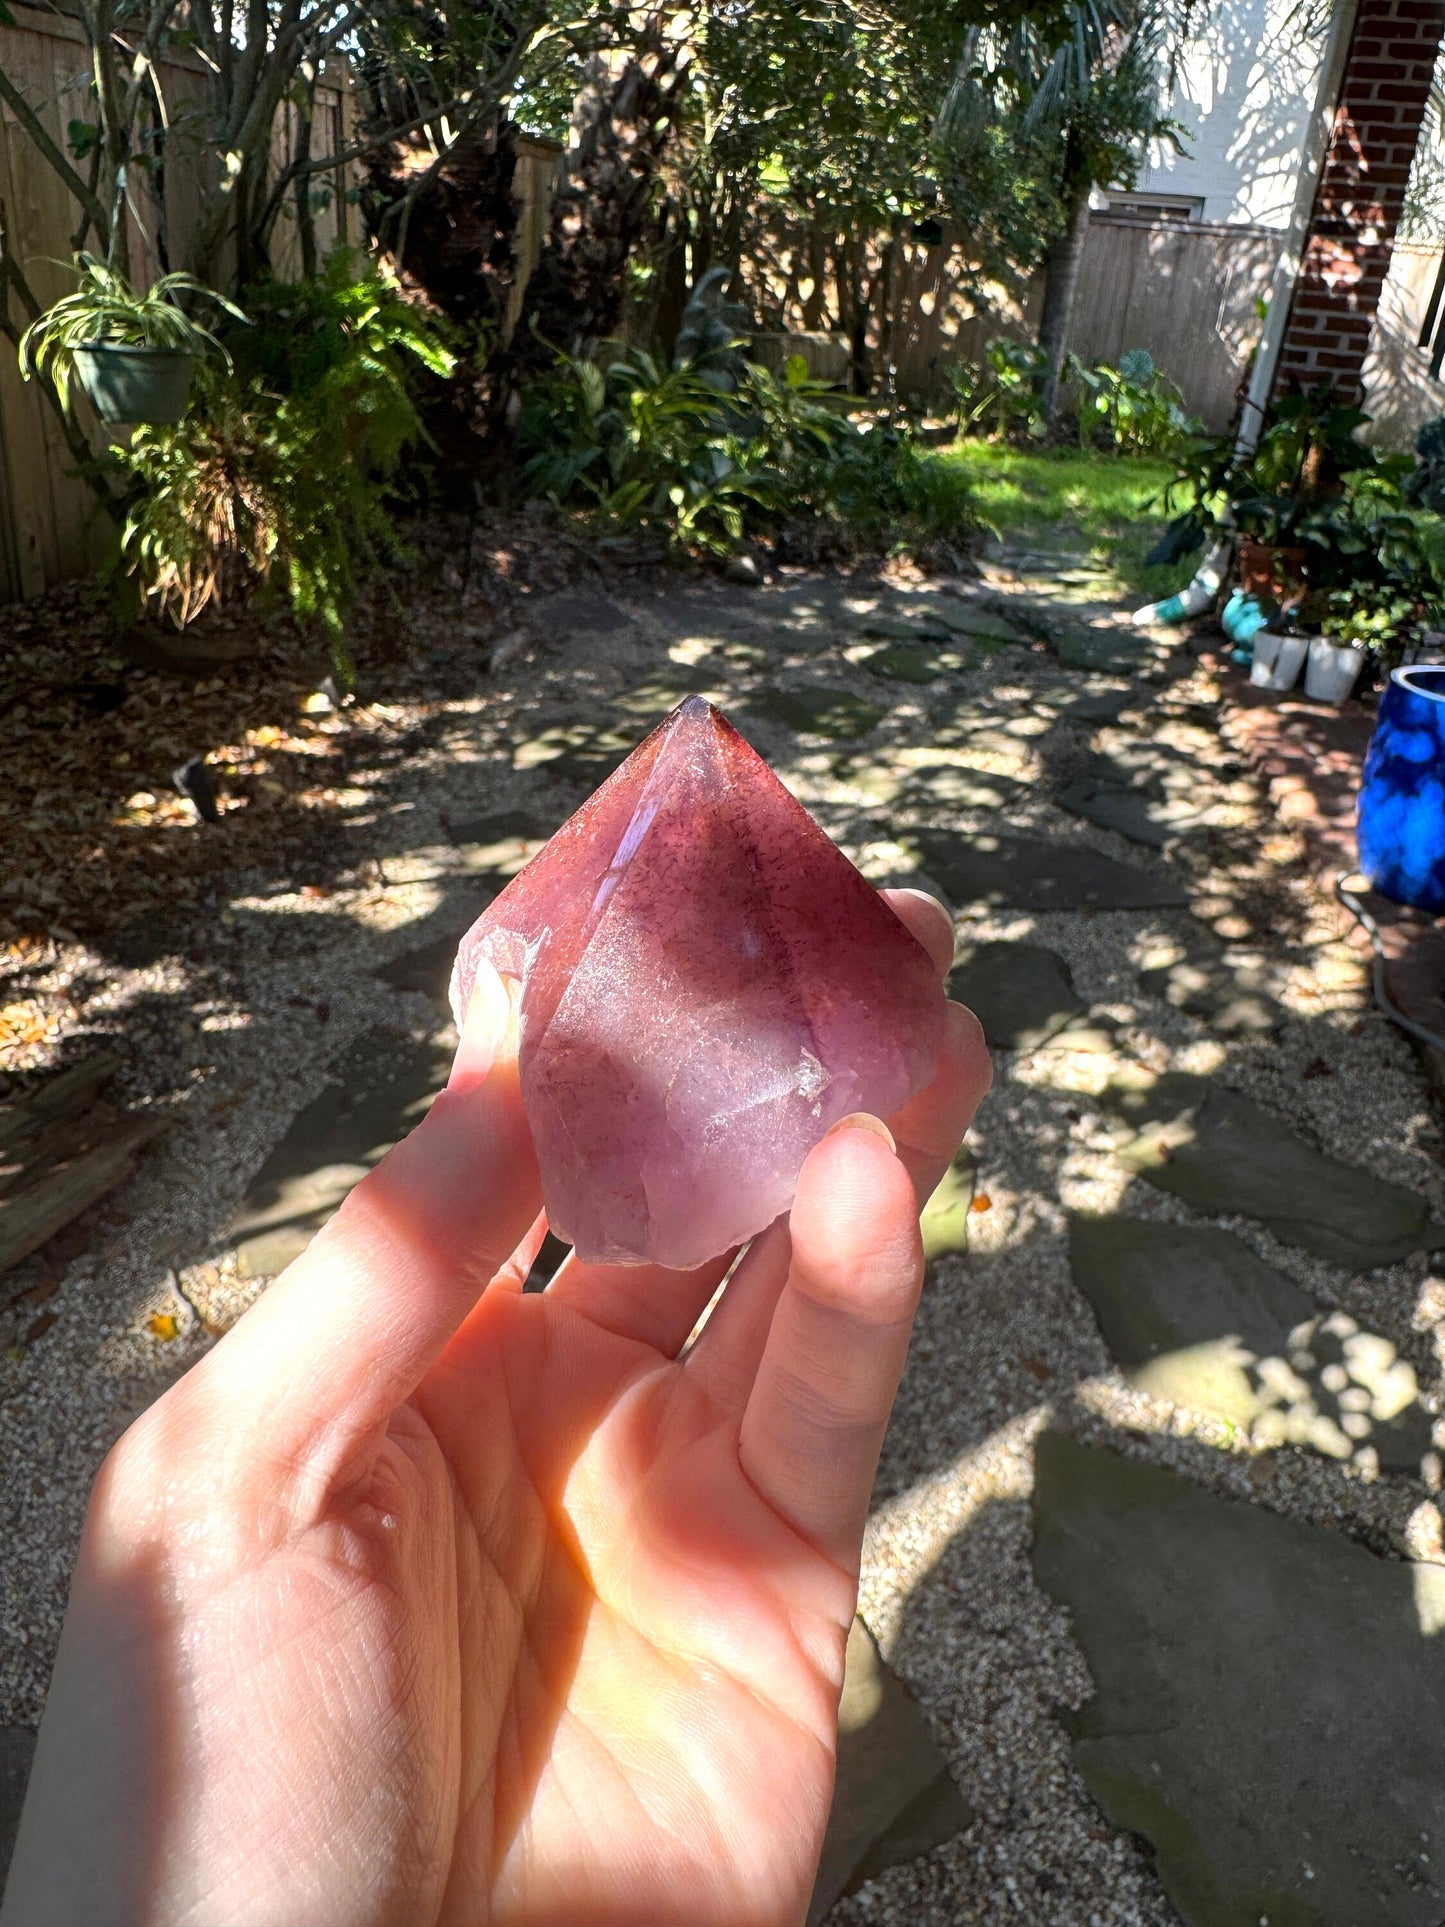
(419, 1600)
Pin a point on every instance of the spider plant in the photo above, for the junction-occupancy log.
(106, 311)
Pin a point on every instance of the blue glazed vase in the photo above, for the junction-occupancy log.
(1402, 799)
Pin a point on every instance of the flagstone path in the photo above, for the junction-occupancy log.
(1156, 1571)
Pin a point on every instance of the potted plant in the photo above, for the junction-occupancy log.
(1357, 625)
(1279, 650)
(133, 354)
(1373, 563)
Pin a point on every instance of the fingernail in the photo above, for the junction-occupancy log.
(934, 902)
(863, 1121)
(928, 896)
(485, 1025)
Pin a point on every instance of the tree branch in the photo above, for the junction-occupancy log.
(144, 57)
(12, 275)
(33, 126)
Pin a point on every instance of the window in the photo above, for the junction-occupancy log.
(1157, 207)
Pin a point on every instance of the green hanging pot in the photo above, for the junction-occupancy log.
(129, 382)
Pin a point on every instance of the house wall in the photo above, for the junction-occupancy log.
(1361, 193)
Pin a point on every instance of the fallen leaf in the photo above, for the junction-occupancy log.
(163, 1325)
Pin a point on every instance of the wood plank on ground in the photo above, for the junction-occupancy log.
(33, 1214)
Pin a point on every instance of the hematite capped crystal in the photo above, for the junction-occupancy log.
(707, 986)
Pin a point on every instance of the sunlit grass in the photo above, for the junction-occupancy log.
(1116, 504)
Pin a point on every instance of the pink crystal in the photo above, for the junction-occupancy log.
(707, 986)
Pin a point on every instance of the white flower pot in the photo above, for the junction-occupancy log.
(1277, 660)
(1332, 670)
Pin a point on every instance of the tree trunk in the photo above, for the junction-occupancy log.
(621, 122)
(458, 239)
(305, 218)
(1061, 280)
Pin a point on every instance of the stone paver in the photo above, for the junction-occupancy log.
(377, 1091)
(1193, 1316)
(1029, 873)
(17, 1750)
(1230, 997)
(1222, 1152)
(836, 714)
(911, 662)
(1266, 1694)
(944, 1222)
(1132, 813)
(579, 614)
(894, 1797)
(1022, 993)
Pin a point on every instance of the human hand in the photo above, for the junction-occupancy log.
(418, 1600)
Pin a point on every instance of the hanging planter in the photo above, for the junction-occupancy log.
(132, 354)
(1402, 797)
(129, 382)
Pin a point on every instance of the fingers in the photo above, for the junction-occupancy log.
(927, 1130)
(928, 921)
(837, 1341)
(312, 1374)
(645, 1302)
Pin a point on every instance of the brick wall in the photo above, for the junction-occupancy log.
(1361, 192)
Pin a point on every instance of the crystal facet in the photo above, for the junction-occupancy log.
(707, 986)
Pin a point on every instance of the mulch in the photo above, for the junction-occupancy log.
(99, 852)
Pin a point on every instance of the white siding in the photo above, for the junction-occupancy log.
(1246, 88)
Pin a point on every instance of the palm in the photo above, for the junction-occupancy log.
(679, 1676)
(421, 1600)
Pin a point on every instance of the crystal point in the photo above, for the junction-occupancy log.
(707, 986)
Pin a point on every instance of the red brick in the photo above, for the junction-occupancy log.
(1425, 11)
(1402, 91)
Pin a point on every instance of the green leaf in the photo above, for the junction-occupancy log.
(7, 19)
(83, 135)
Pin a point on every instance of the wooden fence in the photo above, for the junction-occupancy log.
(1399, 391)
(1187, 293)
(49, 523)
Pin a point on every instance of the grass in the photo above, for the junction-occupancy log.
(1113, 502)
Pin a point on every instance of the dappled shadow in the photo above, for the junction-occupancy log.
(271, 996)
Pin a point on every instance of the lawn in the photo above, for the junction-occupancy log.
(1114, 502)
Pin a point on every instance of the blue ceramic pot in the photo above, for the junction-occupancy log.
(1402, 800)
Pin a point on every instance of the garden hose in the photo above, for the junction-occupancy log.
(1192, 600)
(1371, 929)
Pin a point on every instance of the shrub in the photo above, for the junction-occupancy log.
(282, 475)
(1133, 408)
(1000, 395)
(653, 446)
(1426, 482)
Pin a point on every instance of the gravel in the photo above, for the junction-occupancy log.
(1004, 1343)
